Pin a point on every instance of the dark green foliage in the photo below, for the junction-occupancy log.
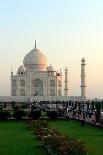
(18, 114)
(88, 104)
(4, 114)
(24, 106)
(52, 114)
(13, 104)
(1, 108)
(98, 113)
(92, 104)
(76, 146)
(15, 108)
(98, 106)
(70, 103)
(4, 104)
(35, 114)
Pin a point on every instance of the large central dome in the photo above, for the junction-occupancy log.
(34, 58)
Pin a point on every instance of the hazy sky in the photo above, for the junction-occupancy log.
(65, 30)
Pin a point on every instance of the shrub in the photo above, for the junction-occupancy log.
(18, 114)
(52, 114)
(24, 106)
(39, 124)
(63, 145)
(35, 114)
(55, 142)
(1, 108)
(15, 108)
(4, 115)
(98, 108)
(76, 146)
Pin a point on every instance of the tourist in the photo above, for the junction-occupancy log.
(93, 118)
(101, 119)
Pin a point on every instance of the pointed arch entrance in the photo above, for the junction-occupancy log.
(37, 87)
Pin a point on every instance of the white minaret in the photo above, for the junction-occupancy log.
(66, 82)
(83, 80)
(60, 72)
(11, 72)
(11, 81)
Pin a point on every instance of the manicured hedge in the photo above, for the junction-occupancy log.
(4, 114)
(35, 114)
(55, 142)
(18, 114)
(52, 114)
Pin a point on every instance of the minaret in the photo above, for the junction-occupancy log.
(35, 43)
(66, 82)
(83, 82)
(11, 81)
(11, 72)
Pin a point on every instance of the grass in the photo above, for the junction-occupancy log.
(93, 137)
(15, 139)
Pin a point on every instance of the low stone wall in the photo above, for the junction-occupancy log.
(39, 98)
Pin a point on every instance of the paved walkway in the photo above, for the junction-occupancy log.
(87, 119)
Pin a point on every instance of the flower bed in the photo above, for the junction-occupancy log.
(56, 143)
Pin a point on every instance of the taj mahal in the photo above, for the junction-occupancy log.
(35, 80)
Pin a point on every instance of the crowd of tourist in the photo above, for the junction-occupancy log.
(82, 110)
(75, 110)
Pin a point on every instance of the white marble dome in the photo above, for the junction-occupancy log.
(35, 57)
(21, 69)
(50, 68)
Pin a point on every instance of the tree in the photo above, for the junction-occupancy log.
(92, 104)
(98, 112)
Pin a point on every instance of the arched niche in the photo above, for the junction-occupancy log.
(13, 92)
(22, 83)
(37, 87)
(52, 83)
(52, 92)
(22, 92)
(14, 83)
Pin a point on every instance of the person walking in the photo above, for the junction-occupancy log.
(93, 118)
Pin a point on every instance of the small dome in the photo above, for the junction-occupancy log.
(35, 57)
(50, 68)
(21, 69)
(83, 60)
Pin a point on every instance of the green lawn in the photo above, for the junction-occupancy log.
(93, 137)
(15, 139)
